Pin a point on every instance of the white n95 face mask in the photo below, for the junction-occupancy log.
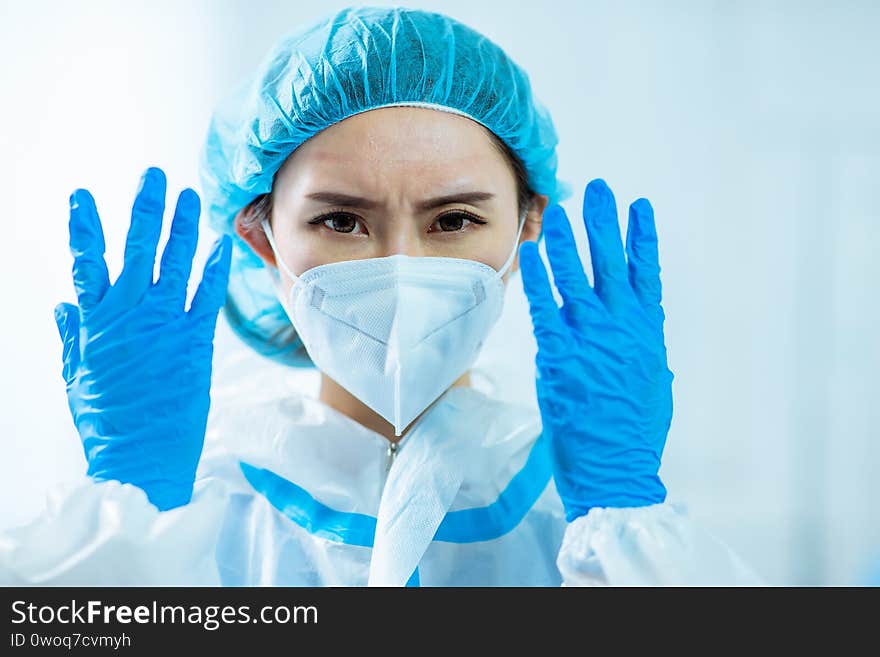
(397, 331)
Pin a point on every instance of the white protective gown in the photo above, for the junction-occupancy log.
(292, 492)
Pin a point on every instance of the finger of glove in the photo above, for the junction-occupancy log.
(568, 272)
(67, 321)
(547, 324)
(143, 237)
(643, 260)
(90, 277)
(211, 293)
(606, 248)
(181, 248)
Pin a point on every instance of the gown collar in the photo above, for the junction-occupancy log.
(326, 472)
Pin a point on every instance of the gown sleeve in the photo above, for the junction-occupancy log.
(656, 545)
(109, 534)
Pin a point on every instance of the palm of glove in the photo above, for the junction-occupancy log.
(604, 387)
(136, 363)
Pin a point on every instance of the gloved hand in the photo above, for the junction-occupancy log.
(136, 363)
(604, 389)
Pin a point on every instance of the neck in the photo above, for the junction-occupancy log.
(340, 399)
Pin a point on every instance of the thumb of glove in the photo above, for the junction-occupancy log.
(67, 320)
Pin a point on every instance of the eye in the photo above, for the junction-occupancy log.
(452, 222)
(339, 222)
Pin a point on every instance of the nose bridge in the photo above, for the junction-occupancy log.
(403, 238)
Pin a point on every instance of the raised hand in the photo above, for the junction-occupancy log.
(604, 388)
(138, 364)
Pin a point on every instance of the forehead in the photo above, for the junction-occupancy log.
(400, 141)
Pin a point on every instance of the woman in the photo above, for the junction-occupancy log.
(383, 175)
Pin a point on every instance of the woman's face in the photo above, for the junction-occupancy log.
(396, 180)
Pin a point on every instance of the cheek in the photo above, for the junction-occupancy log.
(490, 245)
(306, 247)
(499, 246)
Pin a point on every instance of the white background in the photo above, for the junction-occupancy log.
(751, 126)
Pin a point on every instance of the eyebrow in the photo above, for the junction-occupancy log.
(335, 198)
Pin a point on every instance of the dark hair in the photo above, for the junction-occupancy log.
(261, 207)
(524, 193)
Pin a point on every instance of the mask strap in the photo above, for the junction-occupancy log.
(267, 229)
(506, 266)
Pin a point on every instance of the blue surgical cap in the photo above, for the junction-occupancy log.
(355, 60)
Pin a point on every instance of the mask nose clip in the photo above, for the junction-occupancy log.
(317, 299)
(479, 292)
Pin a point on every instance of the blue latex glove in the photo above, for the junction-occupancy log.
(136, 363)
(604, 389)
